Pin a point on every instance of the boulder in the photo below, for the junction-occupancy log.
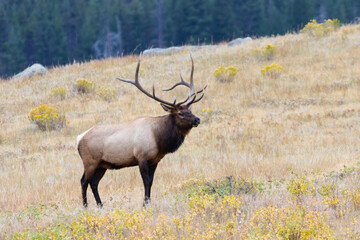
(171, 50)
(161, 51)
(239, 41)
(35, 69)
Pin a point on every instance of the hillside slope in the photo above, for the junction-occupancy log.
(303, 120)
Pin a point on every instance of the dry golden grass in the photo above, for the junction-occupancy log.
(304, 120)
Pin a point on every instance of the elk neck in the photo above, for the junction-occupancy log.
(169, 136)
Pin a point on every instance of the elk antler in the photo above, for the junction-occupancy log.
(190, 85)
(188, 101)
(138, 85)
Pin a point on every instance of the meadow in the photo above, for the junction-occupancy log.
(276, 155)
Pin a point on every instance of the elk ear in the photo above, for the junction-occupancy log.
(166, 108)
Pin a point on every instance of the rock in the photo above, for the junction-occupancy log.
(239, 41)
(35, 69)
(171, 50)
(161, 51)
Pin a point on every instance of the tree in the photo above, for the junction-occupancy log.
(159, 23)
(224, 22)
(13, 56)
(134, 25)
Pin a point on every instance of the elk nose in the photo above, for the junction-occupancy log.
(197, 121)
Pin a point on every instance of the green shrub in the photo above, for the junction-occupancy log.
(47, 117)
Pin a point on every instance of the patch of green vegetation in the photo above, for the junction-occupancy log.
(221, 187)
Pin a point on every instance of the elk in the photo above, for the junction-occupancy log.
(142, 142)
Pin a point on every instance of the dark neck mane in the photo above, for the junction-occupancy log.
(168, 136)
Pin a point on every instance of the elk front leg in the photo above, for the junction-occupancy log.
(147, 174)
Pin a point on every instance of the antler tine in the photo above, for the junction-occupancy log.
(182, 82)
(193, 95)
(186, 84)
(192, 89)
(137, 84)
(194, 100)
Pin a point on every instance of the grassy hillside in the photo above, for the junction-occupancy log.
(290, 141)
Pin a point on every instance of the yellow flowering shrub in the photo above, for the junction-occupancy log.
(58, 93)
(199, 203)
(207, 110)
(288, 223)
(300, 187)
(225, 74)
(352, 232)
(47, 117)
(84, 86)
(315, 29)
(273, 70)
(106, 93)
(327, 190)
(144, 224)
(266, 53)
(355, 198)
(332, 200)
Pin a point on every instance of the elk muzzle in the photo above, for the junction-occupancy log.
(196, 122)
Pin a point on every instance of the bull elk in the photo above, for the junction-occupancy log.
(142, 142)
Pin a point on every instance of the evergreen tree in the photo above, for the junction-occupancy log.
(224, 22)
(250, 16)
(134, 27)
(89, 30)
(70, 16)
(195, 21)
(302, 11)
(13, 56)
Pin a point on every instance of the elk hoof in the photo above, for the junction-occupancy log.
(146, 203)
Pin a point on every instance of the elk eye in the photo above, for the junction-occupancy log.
(181, 114)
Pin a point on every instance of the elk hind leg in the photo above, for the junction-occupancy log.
(84, 186)
(94, 183)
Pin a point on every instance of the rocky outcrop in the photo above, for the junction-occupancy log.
(35, 69)
(239, 41)
(171, 50)
(161, 51)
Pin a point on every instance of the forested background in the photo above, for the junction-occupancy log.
(61, 31)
